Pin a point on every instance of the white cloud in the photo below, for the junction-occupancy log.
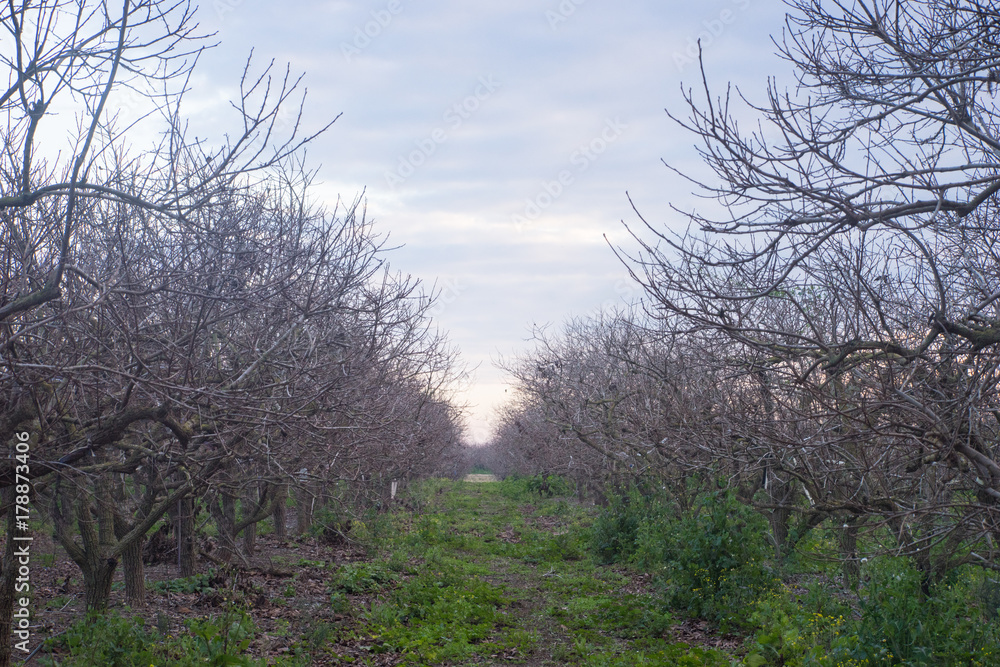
(558, 87)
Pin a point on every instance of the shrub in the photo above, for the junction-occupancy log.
(899, 624)
(331, 526)
(516, 487)
(892, 623)
(636, 526)
(614, 533)
(199, 583)
(717, 565)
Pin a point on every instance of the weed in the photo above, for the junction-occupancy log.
(893, 623)
(111, 640)
(199, 583)
(362, 578)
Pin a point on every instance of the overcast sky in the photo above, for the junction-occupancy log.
(495, 142)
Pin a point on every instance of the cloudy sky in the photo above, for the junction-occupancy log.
(495, 142)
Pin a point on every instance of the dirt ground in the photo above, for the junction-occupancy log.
(480, 478)
(284, 589)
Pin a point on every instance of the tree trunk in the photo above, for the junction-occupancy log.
(95, 521)
(779, 531)
(225, 521)
(303, 508)
(183, 520)
(251, 502)
(849, 553)
(97, 578)
(280, 513)
(135, 574)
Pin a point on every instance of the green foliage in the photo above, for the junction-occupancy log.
(900, 624)
(480, 469)
(634, 526)
(436, 616)
(357, 578)
(478, 567)
(340, 603)
(106, 640)
(549, 486)
(222, 641)
(987, 593)
(613, 536)
(893, 622)
(711, 560)
(628, 616)
(527, 489)
(717, 565)
(803, 631)
(330, 525)
(675, 655)
(198, 583)
(111, 640)
(372, 531)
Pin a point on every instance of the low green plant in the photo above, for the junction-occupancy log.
(373, 531)
(362, 577)
(614, 533)
(222, 641)
(435, 617)
(626, 616)
(635, 525)
(549, 486)
(526, 489)
(892, 622)
(717, 564)
(340, 603)
(900, 624)
(331, 525)
(111, 640)
(198, 583)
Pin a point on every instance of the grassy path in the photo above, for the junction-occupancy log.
(489, 574)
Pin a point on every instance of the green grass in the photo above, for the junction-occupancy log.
(500, 573)
(114, 641)
(459, 574)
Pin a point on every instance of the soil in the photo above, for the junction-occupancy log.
(283, 586)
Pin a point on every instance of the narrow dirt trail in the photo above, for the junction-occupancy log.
(488, 574)
(457, 573)
(479, 478)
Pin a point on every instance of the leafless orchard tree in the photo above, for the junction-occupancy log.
(178, 324)
(66, 61)
(525, 443)
(626, 398)
(854, 266)
(232, 335)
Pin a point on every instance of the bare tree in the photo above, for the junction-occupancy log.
(853, 266)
